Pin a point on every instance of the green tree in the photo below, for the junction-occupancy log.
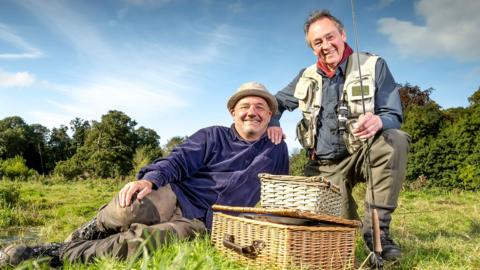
(149, 141)
(466, 142)
(172, 142)
(147, 148)
(37, 153)
(107, 151)
(80, 129)
(452, 115)
(13, 137)
(475, 98)
(111, 144)
(423, 121)
(17, 138)
(413, 95)
(147, 137)
(60, 145)
(453, 156)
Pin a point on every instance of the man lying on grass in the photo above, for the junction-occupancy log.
(173, 195)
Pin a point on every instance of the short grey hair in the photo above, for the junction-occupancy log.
(318, 15)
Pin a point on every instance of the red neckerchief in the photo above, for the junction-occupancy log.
(330, 73)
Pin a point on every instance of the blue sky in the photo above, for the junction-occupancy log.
(172, 64)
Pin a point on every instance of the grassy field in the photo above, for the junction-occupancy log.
(436, 229)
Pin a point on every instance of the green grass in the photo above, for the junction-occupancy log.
(56, 208)
(437, 229)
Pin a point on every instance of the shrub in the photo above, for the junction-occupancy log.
(9, 195)
(69, 169)
(143, 156)
(16, 168)
(298, 160)
(470, 176)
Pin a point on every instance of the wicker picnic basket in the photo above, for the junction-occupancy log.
(329, 244)
(315, 194)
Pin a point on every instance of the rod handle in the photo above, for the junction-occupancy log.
(377, 245)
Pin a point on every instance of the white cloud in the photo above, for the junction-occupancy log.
(451, 29)
(131, 97)
(146, 78)
(94, 99)
(70, 24)
(25, 50)
(216, 41)
(19, 79)
(381, 4)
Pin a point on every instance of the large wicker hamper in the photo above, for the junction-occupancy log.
(314, 194)
(327, 245)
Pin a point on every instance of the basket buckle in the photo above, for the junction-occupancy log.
(250, 251)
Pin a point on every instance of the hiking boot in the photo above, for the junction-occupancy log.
(390, 250)
(14, 255)
(88, 231)
(4, 259)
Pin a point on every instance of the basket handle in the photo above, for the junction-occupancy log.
(252, 250)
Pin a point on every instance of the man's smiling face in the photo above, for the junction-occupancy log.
(327, 42)
(251, 116)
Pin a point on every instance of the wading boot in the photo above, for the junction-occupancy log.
(390, 250)
(88, 231)
(15, 254)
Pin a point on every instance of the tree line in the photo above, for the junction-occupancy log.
(112, 147)
(445, 148)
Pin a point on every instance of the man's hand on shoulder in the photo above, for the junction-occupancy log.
(275, 134)
(143, 187)
(367, 125)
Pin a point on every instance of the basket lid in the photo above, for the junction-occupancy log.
(289, 213)
(284, 220)
(320, 180)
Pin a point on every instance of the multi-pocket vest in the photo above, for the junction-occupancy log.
(308, 91)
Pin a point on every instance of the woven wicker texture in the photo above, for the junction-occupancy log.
(315, 194)
(290, 213)
(285, 246)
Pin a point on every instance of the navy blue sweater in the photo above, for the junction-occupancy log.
(215, 166)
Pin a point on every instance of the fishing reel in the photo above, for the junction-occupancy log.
(342, 117)
(376, 261)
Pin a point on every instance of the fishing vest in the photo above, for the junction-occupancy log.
(308, 91)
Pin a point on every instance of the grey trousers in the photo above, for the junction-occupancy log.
(388, 158)
(154, 221)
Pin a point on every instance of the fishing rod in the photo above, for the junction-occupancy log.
(376, 255)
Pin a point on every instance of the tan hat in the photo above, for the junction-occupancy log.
(253, 89)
